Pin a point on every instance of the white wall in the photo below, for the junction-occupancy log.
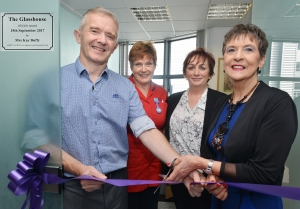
(69, 48)
(213, 43)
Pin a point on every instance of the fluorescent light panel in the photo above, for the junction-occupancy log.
(228, 11)
(155, 13)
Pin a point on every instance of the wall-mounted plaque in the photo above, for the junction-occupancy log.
(27, 31)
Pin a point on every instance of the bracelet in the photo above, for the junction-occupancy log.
(208, 170)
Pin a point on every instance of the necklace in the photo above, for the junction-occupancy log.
(224, 127)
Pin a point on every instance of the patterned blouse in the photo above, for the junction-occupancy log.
(186, 125)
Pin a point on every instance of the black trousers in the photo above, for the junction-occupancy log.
(144, 199)
(107, 197)
(183, 200)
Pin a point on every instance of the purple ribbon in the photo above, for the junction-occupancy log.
(280, 191)
(29, 177)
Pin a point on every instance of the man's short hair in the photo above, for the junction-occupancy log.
(102, 11)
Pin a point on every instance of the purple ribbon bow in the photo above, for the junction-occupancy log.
(28, 177)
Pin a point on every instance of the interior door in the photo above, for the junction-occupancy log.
(29, 90)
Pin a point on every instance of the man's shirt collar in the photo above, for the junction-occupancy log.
(81, 69)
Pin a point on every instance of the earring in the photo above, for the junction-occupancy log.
(258, 71)
(223, 71)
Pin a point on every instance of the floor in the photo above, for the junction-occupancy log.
(163, 202)
(166, 205)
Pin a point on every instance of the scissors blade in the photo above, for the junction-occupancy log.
(167, 175)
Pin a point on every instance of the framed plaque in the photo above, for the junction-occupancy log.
(27, 31)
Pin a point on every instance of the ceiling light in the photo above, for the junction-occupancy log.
(155, 13)
(294, 11)
(228, 11)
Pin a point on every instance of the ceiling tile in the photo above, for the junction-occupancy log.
(245, 21)
(130, 27)
(221, 23)
(188, 12)
(230, 1)
(248, 14)
(134, 36)
(247, 18)
(188, 25)
(107, 4)
(187, 2)
(180, 33)
(157, 25)
(144, 3)
(161, 35)
(123, 15)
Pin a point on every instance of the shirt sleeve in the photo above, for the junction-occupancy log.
(141, 124)
(137, 119)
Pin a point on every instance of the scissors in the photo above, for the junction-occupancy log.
(168, 174)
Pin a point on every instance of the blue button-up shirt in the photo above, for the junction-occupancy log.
(95, 115)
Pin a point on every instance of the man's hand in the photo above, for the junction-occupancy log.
(219, 190)
(90, 185)
(73, 166)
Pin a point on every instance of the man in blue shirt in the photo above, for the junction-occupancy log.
(97, 104)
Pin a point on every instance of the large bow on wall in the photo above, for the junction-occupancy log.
(29, 177)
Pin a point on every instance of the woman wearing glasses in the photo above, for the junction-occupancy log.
(251, 131)
(142, 164)
(188, 117)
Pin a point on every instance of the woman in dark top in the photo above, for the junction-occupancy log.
(188, 117)
(252, 130)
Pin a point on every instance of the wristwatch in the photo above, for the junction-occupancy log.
(208, 170)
